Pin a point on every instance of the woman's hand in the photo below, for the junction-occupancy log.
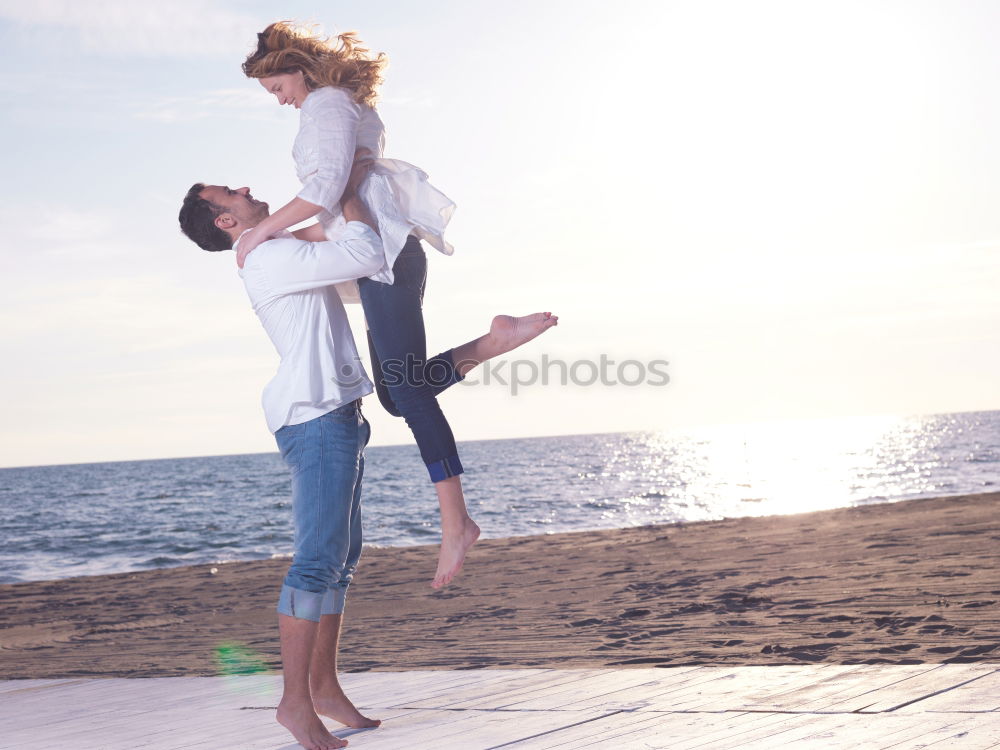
(359, 170)
(248, 242)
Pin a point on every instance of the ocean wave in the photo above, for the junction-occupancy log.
(138, 515)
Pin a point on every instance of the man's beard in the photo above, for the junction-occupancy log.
(259, 212)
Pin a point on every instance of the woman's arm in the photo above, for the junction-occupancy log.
(311, 233)
(314, 232)
(293, 212)
(333, 123)
(334, 118)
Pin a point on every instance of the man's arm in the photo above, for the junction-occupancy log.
(292, 265)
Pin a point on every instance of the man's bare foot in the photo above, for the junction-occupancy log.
(454, 547)
(333, 703)
(508, 332)
(299, 718)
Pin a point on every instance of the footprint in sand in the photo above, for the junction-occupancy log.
(899, 649)
(631, 614)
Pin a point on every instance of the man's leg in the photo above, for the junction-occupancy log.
(328, 696)
(323, 456)
(295, 711)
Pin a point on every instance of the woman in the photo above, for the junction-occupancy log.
(334, 82)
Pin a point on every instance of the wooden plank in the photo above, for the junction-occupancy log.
(55, 713)
(981, 695)
(665, 730)
(8, 687)
(846, 731)
(441, 689)
(696, 708)
(856, 732)
(617, 729)
(266, 734)
(731, 729)
(602, 689)
(121, 705)
(83, 723)
(887, 731)
(918, 730)
(707, 688)
(674, 681)
(65, 708)
(846, 690)
(970, 732)
(465, 730)
(161, 726)
(729, 690)
(816, 730)
(738, 730)
(803, 694)
(486, 696)
(918, 686)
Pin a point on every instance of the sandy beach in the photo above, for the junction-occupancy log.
(900, 583)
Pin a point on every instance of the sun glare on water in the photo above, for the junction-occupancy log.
(781, 467)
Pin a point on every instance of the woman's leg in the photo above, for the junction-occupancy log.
(396, 331)
(379, 379)
(407, 384)
(506, 333)
(398, 341)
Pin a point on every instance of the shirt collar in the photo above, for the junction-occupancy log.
(283, 234)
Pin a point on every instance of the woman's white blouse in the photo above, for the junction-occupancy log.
(332, 126)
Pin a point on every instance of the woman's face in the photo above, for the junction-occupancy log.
(289, 88)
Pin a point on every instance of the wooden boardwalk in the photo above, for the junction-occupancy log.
(825, 706)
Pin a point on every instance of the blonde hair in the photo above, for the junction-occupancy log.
(341, 60)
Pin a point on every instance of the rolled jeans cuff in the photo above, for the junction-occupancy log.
(445, 468)
(305, 605)
(334, 600)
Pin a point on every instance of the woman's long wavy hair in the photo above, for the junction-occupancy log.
(284, 47)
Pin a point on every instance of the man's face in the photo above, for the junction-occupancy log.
(243, 207)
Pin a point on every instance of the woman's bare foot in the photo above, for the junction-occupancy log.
(508, 332)
(333, 703)
(299, 718)
(454, 546)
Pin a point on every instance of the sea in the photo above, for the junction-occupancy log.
(86, 519)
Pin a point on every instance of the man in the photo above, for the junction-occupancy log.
(312, 406)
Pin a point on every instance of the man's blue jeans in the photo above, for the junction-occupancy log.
(406, 381)
(327, 461)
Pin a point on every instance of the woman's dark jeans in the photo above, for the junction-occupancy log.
(406, 381)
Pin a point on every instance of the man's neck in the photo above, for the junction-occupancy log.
(238, 233)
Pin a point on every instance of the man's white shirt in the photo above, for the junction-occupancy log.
(290, 285)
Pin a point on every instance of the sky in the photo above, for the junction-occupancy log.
(792, 204)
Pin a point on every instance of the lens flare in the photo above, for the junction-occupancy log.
(233, 658)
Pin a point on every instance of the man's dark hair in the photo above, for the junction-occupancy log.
(197, 218)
